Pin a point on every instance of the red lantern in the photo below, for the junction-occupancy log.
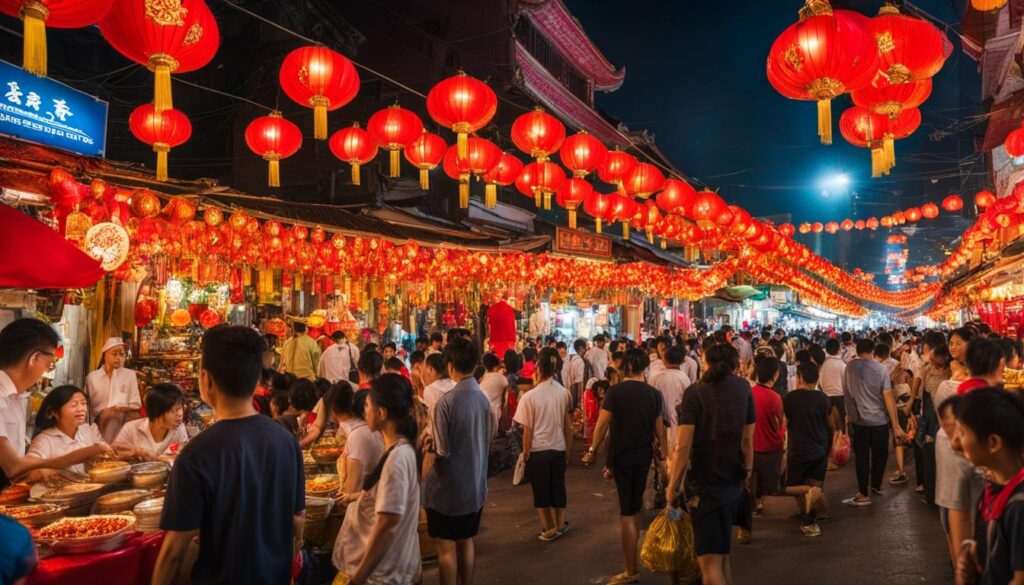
(824, 55)
(887, 221)
(166, 37)
(644, 180)
(846, 225)
(913, 214)
(872, 223)
(831, 227)
(540, 180)
(273, 138)
(582, 154)
(817, 227)
(597, 205)
(864, 128)
(538, 134)
(503, 174)
(616, 167)
(1015, 143)
(209, 318)
(622, 208)
(676, 196)
(709, 210)
(953, 203)
(889, 99)
(571, 195)
(984, 199)
(354, 146)
(910, 48)
(805, 228)
(425, 153)
(393, 129)
(38, 14)
(483, 155)
(463, 104)
(929, 211)
(161, 130)
(319, 78)
(859, 224)
(787, 230)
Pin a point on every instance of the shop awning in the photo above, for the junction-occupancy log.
(36, 256)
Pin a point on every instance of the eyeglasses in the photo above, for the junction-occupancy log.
(53, 359)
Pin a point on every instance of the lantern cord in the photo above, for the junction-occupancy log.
(177, 79)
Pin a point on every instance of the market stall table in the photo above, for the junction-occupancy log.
(132, 564)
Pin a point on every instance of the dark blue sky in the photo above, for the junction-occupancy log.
(695, 76)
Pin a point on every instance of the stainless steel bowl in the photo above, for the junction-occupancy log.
(150, 475)
(121, 501)
(110, 472)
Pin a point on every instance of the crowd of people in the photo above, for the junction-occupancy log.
(712, 423)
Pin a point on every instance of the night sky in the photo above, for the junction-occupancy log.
(695, 77)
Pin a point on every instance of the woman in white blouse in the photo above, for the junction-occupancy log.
(161, 435)
(113, 390)
(363, 446)
(61, 426)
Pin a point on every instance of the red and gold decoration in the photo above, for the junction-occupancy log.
(354, 146)
(644, 180)
(482, 156)
(503, 174)
(676, 196)
(425, 153)
(540, 180)
(393, 129)
(463, 104)
(597, 205)
(910, 49)
(161, 130)
(571, 195)
(582, 154)
(890, 99)
(616, 167)
(273, 138)
(538, 134)
(39, 14)
(319, 78)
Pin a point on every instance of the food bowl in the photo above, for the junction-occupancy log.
(73, 495)
(323, 485)
(121, 501)
(327, 450)
(15, 494)
(109, 471)
(150, 475)
(100, 533)
(318, 508)
(148, 513)
(34, 515)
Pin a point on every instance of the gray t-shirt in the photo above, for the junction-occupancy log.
(864, 381)
(463, 425)
(958, 484)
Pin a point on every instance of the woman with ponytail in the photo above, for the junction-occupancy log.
(546, 415)
(715, 440)
(378, 542)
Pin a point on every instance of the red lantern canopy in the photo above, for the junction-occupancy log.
(984, 199)
(273, 138)
(319, 78)
(538, 134)
(503, 174)
(889, 99)
(709, 210)
(582, 154)
(909, 48)
(540, 180)
(393, 129)
(425, 153)
(38, 14)
(913, 215)
(463, 104)
(597, 205)
(953, 203)
(929, 211)
(616, 166)
(161, 130)
(572, 194)
(166, 37)
(644, 180)
(824, 55)
(1014, 143)
(354, 146)
(676, 196)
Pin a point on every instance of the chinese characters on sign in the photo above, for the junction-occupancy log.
(39, 109)
(582, 243)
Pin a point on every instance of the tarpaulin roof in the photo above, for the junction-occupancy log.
(36, 256)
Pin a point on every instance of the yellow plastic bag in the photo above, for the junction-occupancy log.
(668, 545)
(340, 579)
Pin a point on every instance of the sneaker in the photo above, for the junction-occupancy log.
(564, 529)
(744, 536)
(899, 479)
(811, 530)
(858, 501)
(623, 578)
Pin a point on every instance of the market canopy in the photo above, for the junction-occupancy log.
(25, 242)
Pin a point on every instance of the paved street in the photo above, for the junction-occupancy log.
(897, 541)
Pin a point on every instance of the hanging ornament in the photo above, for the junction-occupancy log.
(482, 156)
(502, 175)
(987, 5)
(39, 14)
(582, 153)
(540, 180)
(393, 129)
(145, 204)
(109, 243)
(319, 78)
(676, 196)
(984, 199)
(161, 130)
(616, 167)
(463, 104)
(644, 180)
(709, 210)
(866, 129)
(929, 211)
(425, 153)
(571, 195)
(354, 146)
(273, 138)
(538, 134)
(909, 48)
(1014, 143)
(953, 203)
(889, 99)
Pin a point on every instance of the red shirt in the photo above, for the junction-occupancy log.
(767, 406)
(971, 384)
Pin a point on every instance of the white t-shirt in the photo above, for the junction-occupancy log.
(137, 435)
(831, 377)
(573, 371)
(362, 444)
(433, 392)
(398, 493)
(53, 443)
(689, 368)
(13, 415)
(890, 365)
(543, 409)
(119, 389)
(336, 363)
(657, 366)
(672, 383)
(598, 358)
(493, 385)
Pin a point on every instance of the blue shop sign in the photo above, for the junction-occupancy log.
(39, 109)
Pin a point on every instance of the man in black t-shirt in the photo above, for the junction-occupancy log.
(239, 484)
(810, 424)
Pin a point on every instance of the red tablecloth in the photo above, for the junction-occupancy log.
(132, 564)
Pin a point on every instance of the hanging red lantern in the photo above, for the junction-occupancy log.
(354, 146)
(846, 225)
(889, 99)
(538, 134)
(616, 166)
(859, 224)
(540, 180)
(644, 180)
(929, 211)
(319, 78)
(596, 205)
(482, 156)
(622, 208)
(161, 130)
(953, 203)
(984, 199)
(817, 227)
(676, 196)
(824, 55)
(1014, 143)
(463, 104)
(393, 129)
(913, 215)
(910, 48)
(832, 227)
(805, 228)
(709, 210)
(425, 153)
(887, 221)
(898, 128)
(866, 129)
(571, 195)
(503, 174)
(166, 37)
(582, 153)
(872, 223)
(273, 138)
(144, 203)
(787, 230)
(39, 14)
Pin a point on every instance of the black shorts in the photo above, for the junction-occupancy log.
(797, 473)
(448, 527)
(767, 473)
(712, 530)
(546, 470)
(630, 482)
(839, 403)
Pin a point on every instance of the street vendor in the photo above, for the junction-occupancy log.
(62, 427)
(113, 390)
(161, 435)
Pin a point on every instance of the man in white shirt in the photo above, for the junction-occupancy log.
(436, 381)
(689, 367)
(742, 344)
(575, 370)
(830, 380)
(658, 359)
(493, 384)
(849, 350)
(672, 382)
(598, 358)
(436, 340)
(338, 360)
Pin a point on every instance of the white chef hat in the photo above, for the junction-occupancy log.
(113, 342)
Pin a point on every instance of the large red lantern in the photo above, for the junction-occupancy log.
(393, 129)
(538, 134)
(483, 155)
(846, 225)
(503, 174)
(913, 214)
(319, 78)
(616, 167)
(273, 138)
(676, 196)
(597, 205)
(354, 146)
(582, 153)
(898, 128)
(163, 131)
(890, 99)
(572, 194)
(622, 208)
(540, 180)
(709, 210)
(1015, 143)
(464, 104)
(787, 230)
(166, 37)
(425, 153)
(866, 129)
(929, 211)
(832, 227)
(871, 223)
(824, 55)
(39, 14)
(909, 48)
(644, 180)
(984, 199)
(953, 203)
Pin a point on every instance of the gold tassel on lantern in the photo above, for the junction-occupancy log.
(355, 174)
(625, 231)
(396, 163)
(424, 179)
(491, 195)
(664, 244)
(825, 121)
(650, 236)
(889, 151)
(464, 193)
(162, 66)
(877, 163)
(621, 187)
(597, 225)
(547, 201)
(273, 169)
(538, 199)
(161, 149)
(572, 218)
(34, 15)
(462, 131)
(320, 104)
